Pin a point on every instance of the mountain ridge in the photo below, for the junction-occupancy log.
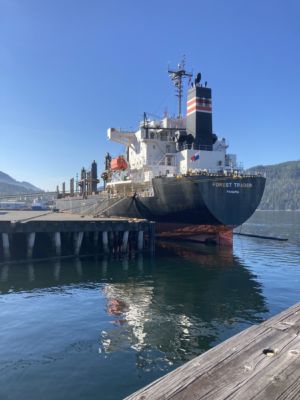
(10, 186)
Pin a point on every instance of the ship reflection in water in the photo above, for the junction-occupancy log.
(150, 314)
(182, 307)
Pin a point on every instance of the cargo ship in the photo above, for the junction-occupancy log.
(175, 171)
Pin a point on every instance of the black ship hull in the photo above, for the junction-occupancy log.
(192, 200)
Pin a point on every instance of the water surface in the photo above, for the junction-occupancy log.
(101, 329)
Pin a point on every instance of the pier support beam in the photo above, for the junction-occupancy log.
(105, 241)
(140, 240)
(96, 238)
(6, 248)
(30, 244)
(125, 241)
(57, 243)
(152, 237)
(111, 242)
(78, 236)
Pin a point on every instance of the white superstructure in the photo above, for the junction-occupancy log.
(174, 146)
(154, 150)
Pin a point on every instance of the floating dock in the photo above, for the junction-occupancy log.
(38, 234)
(261, 363)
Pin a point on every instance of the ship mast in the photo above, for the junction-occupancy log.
(177, 78)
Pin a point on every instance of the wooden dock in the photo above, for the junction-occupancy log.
(26, 233)
(261, 363)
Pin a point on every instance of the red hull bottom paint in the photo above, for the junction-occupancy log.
(218, 234)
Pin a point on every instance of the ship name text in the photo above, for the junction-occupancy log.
(233, 184)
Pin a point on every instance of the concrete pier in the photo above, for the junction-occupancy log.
(70, 234)
(260, 363)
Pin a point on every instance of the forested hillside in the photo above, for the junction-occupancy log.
(283, 186)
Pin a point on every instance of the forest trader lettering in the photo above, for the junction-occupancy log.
(232, 184)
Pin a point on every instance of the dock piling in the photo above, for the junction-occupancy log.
(152, 237)
(6, 248)
(4, 273)
(31, 273)
(111, 242)
(140, 262)
(78, 265)
(30, 244)
(104, 265)
(140, 240)
(57, 267)
(57, 243)
(125, 264)
(78, 236)
(105, 242)
(96, 239)
(125, 241)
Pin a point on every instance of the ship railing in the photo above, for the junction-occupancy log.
(195, 147)
(221, 174)
(256, 173)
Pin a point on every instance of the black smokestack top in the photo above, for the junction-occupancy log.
(94, 176)
(94, 170)
(199, 116)
(72, 186)
(83, 173)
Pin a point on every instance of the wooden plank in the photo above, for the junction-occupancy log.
(262, 362)
(274, 380)
(247, 374)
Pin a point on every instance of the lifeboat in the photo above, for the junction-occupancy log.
(118, 164)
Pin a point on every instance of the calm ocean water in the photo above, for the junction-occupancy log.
(101, 329)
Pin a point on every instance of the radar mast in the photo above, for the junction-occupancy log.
(177, 78)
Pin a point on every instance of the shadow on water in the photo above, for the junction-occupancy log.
(147, 314)
(185, 286)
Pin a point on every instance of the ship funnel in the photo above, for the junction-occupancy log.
(199, 115)
(94, 176)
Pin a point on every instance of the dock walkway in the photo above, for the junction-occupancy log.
(261, 363)
(67, 232)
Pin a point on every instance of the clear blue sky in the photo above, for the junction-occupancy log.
(69, 69)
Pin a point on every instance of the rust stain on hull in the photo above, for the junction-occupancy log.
(218, 234)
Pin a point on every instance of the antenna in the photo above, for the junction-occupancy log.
(177, 77)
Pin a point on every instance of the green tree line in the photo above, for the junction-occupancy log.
(282, 191)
